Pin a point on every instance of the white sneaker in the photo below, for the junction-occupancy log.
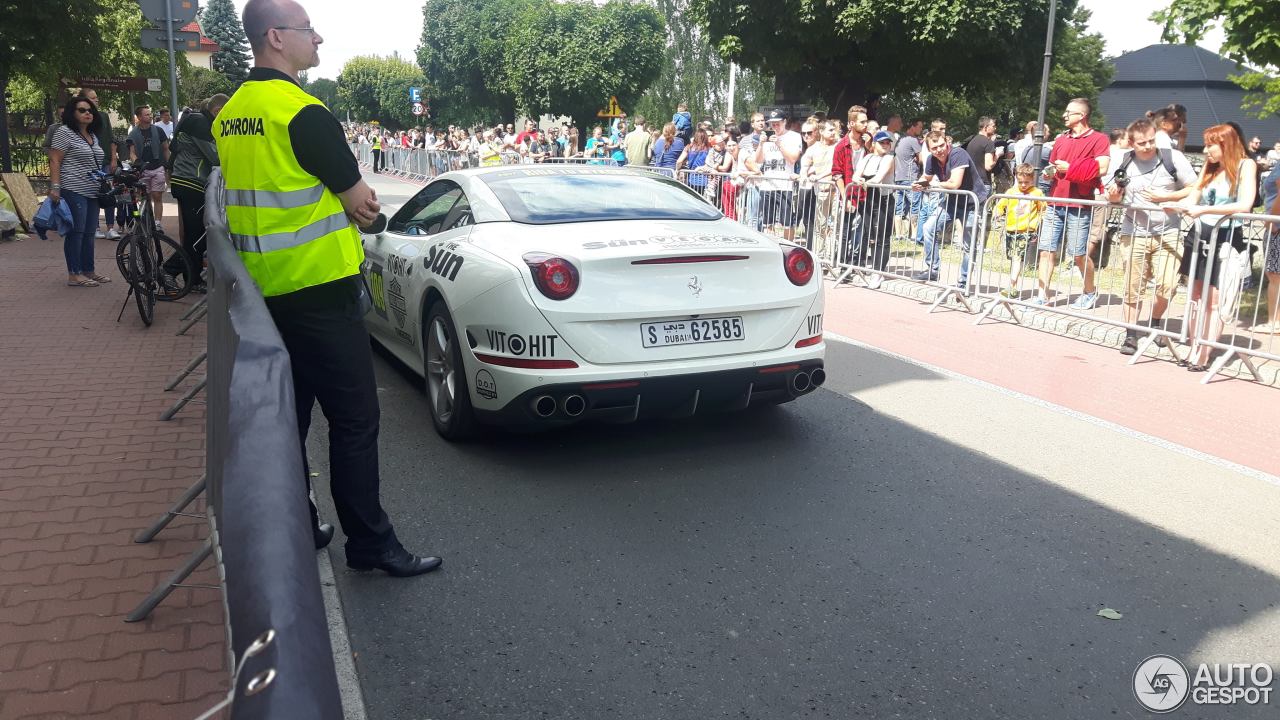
(99, 235)
(875, 281)
(112, 234)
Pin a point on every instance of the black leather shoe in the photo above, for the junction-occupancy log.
(396, 563)
(323, 534)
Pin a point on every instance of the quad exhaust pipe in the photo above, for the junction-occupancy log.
(573, 405)
(545, 406)
(800, 382)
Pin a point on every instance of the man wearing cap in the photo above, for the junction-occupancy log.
(776, 156)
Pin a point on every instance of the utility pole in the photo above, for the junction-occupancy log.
(1044, 84)
(173, 62)
(733, 85)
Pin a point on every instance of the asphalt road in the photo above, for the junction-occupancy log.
(896, 545)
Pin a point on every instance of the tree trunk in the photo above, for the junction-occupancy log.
(6, 158)
(842, 95)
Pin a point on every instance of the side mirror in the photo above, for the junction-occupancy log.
(378, 225)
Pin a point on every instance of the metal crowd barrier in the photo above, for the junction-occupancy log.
(1239, 257)
(1134, 253)
(260, 527)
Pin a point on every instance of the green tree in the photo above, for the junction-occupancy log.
(1252, 31)
(569, 57)
(461, 56)
(221, 23)
(197, 84)
(693, 72)
(841, 52)
(326, 91)
(377, 88)
(1080, 69)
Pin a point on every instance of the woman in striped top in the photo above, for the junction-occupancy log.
(74, 153)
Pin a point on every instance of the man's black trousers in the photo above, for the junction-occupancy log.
(323, 329)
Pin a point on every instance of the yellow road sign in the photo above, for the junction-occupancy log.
(612, 110)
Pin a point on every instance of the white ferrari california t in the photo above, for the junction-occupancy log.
(534, 296)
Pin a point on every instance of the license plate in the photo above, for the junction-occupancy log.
(692, 332)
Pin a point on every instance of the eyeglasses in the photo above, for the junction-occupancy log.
(1069, 113)
(306, 29)
(87, 111)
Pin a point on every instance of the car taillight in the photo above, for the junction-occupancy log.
(555, 277)
(799, 266)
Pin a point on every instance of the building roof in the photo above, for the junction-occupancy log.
(1158, 75)
(206, 45)
(1183, 64)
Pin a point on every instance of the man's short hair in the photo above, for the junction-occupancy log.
(164, 110)
(984, 121)
(1031, 127)
(639, 120)
(1024, 170)
(259, 16)
(1141, 126)
(1118, 133)
(854, 111)
(137, 111)
(1088, 106)
(935, 136)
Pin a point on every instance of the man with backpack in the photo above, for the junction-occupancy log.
(1149, 236)
(149, 147)
(193, 157)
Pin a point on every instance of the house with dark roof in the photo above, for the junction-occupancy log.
(1158, 75)
(199, 53)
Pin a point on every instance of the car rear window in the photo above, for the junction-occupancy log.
(542, 196)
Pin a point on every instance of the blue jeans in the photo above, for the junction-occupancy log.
(1073, 222)
(906, 202)
(752, 219)
(970, 226)
(927, 206)
(77, 246)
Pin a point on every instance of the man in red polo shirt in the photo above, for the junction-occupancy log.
(843, 159)
(1080, 157)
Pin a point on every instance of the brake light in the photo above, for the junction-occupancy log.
(526, 363)
(799, 266)
(808, 342)
(555, 277)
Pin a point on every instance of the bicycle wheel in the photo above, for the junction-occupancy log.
(142, 276)
(176, 274)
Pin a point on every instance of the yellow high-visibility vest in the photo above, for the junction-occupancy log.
(290, 230)
(377, 142)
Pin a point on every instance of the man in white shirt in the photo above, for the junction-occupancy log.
(165, 122)
(776, 156)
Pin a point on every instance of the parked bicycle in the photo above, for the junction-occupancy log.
(153, 264)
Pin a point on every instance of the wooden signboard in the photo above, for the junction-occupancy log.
(24, 198)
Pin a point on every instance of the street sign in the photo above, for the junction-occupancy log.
(612, 110)
(419, 109)
(153, 84)
(156, 39)
(126, 84)
(415, 95)
(184, 11)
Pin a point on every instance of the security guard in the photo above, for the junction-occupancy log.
(293, 190)
(377, 150)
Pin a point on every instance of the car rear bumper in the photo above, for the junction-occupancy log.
(624, 400)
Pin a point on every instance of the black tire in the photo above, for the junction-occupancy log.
(142, 278)
(453, 417)
(177, 264)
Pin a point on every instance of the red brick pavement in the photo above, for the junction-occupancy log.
(1228, 418)
(85, 463)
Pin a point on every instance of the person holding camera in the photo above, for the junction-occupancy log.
(1149, 237)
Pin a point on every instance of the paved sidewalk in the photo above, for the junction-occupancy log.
(84, 464)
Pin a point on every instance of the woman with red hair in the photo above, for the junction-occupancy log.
(1215, 247)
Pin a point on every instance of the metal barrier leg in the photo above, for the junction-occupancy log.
(162, 590)
(194, 308)
(182, 401)
(948, 293)
(190, 323)
(991, 308)
(190, 368)
(1221, 363)
(146, 536)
